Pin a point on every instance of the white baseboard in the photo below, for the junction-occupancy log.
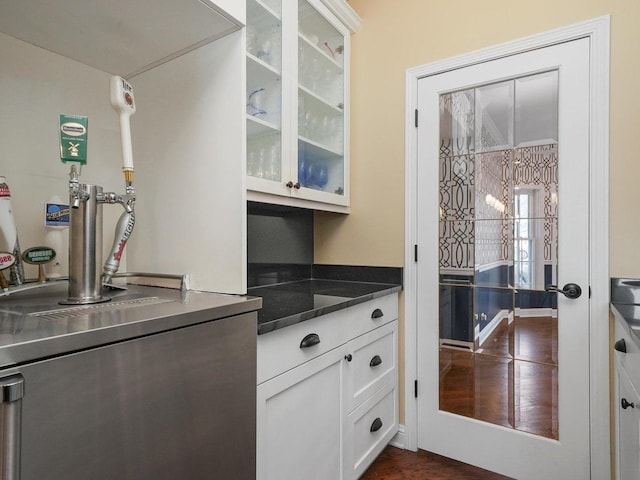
(536, 312)
(482, 336)
(399, 439)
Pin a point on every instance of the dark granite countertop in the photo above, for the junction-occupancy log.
(290, 303)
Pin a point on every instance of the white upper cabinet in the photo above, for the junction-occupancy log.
(118, 36)
(297, 102)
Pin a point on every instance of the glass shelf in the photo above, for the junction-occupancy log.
(324, 50)
(258, 8)
(320, 122)
(336, 107)
(255, 60)
(264, 32)
(319, 168)
(257, 126)
(264, 90)
(317, 32)
(318, 150)
(320, 75)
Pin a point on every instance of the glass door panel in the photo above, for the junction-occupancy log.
(494, 116)
(498, 253)
(321, 85)
(537, 109)
(264, 89)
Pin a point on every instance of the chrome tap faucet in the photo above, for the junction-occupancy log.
(76, 193)
(124, 228)
(85, 239)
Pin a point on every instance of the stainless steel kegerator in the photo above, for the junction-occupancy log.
(157, 384)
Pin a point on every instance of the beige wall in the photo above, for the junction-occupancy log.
(398, 35)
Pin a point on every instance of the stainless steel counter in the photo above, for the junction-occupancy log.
(33, 325)
(121, 390)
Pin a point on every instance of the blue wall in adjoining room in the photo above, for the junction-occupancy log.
(488, 292)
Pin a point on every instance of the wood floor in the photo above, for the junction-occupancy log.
(397, 464)
(511, 381)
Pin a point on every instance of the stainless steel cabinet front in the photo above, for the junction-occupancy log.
(180, 404)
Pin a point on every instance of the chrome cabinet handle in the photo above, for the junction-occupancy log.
(12, 391)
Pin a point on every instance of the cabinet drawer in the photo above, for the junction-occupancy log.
(631, 359)
(627, 407)
(370, 428)
(373, 314)
(373, 363)
(283, 349)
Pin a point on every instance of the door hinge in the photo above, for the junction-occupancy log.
(415, 388)
(416, 117)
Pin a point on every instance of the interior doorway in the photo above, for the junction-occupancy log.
(498, 250)
(595, 35)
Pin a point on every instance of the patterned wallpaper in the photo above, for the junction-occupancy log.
(494, 199)
(538, 166)
(476, 203)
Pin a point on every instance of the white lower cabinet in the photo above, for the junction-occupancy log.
(628, 419)
(299, 421)
(329, 416)
(627, 404)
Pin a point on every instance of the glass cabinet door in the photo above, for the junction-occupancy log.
(321, 87)
(264, 90)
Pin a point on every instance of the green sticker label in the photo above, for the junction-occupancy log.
(38, 255)
(73, 138)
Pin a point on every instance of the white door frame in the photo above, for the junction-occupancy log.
(597, 30)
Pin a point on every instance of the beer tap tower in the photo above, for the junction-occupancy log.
(85, 231)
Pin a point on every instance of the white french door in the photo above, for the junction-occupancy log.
(505, 448)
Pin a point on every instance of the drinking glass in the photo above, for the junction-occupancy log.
(256, 102)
